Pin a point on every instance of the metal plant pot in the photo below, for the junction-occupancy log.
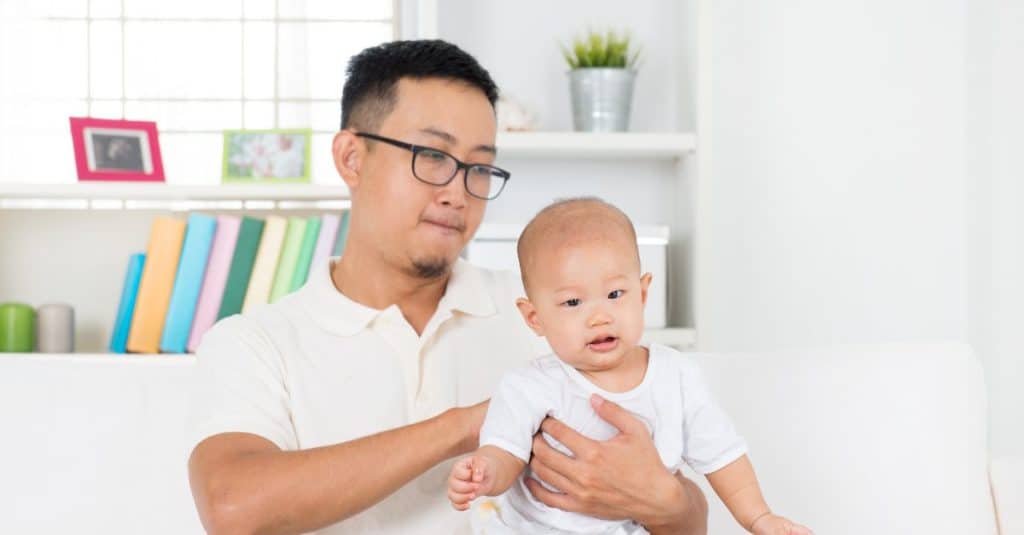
(601, 98)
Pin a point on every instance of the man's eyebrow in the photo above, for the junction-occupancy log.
(451, 140)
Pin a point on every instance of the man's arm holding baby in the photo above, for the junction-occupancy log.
(243, 483)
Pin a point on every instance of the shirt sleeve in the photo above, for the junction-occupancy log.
(710, 442)
(518, 406)
(239, 386)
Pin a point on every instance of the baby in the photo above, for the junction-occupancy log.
(585, 294)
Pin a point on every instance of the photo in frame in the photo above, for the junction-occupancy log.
(267, 156)
(116, 150)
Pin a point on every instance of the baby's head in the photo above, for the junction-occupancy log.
(585, 293)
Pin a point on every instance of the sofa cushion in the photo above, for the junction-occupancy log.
(880, 439)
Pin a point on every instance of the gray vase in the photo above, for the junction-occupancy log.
(601, 99)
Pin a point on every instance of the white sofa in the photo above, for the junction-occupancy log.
(886, 440)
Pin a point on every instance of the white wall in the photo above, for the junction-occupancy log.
(865, 179)
(996, 115)
(837, 182)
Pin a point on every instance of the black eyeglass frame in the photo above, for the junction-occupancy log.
(459, 164)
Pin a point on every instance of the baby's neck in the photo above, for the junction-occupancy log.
(624, 377)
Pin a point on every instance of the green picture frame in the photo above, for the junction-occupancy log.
(270, 156)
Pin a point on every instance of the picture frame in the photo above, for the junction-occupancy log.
(116, 150)
(274, 156)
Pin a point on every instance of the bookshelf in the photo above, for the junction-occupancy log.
(114, 220)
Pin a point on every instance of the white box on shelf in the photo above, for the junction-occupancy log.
(494, 247)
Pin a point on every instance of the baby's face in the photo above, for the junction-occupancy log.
(587, 299)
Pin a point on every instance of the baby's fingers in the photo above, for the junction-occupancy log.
(463, 470)
(460, 501)
(462, 487)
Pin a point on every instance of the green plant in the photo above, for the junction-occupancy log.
(597, 49)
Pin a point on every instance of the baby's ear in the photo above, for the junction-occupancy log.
(529, 313)
(645, 283)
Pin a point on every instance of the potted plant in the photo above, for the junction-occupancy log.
(603, 69)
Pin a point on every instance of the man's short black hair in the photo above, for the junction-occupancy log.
(369, 93)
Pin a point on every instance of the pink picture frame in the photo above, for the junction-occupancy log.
(116, 150)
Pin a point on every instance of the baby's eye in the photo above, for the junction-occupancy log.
(616, 294)
(574, 302)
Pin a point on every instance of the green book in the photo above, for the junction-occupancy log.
(339, 243)
(306, 253)
(249, 234)
(293, 239)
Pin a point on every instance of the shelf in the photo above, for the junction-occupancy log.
(676, 337)
(600, 145)
(174, 360)
(163, 196)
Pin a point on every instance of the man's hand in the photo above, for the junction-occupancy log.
(622, 477)
(776, 525)
(470, 477)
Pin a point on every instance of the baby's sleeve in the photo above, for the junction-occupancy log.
(518, 406)
(710, 442)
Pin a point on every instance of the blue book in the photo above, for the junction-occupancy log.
(188, 282)
(125, 310)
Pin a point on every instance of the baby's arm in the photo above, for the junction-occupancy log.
(487, 472)
(737, 486)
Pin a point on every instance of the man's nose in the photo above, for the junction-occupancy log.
(454, 193)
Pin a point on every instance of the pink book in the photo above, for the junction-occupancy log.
(325, 241)
(216, 276)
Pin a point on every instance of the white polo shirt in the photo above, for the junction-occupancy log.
(317, 368)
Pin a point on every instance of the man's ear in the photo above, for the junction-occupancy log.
(348, 151)
(529, 313)
(645, 283)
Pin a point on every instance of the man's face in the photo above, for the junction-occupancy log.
(420, 227)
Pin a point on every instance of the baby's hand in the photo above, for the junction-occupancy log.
(776, 525)
(471, 477)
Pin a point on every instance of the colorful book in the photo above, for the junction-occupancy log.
(125, 310)
(306, 253)
(189, 280)
(157, 282)
(217, 270)
(325, 241)
(339, 242)
(250, 234)
(293, 237)
(265, 267)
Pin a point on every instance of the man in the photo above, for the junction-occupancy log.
(340, 406)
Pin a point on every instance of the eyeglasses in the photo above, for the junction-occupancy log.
(438, 168)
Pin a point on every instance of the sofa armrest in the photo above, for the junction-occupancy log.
(1006, 475)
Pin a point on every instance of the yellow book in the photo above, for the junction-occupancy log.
(162, 254)
(265, 267)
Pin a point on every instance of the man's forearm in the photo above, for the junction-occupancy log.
(300, 491)
(689, 516)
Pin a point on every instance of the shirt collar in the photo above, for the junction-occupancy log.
(333, 311)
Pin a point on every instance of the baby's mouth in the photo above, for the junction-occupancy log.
(603, 344)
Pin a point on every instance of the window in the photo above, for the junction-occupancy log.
(196, 67)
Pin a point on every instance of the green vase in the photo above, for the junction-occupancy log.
(17, 328)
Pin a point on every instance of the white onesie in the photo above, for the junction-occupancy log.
(672, 401)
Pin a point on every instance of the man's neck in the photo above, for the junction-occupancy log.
(364, 278)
